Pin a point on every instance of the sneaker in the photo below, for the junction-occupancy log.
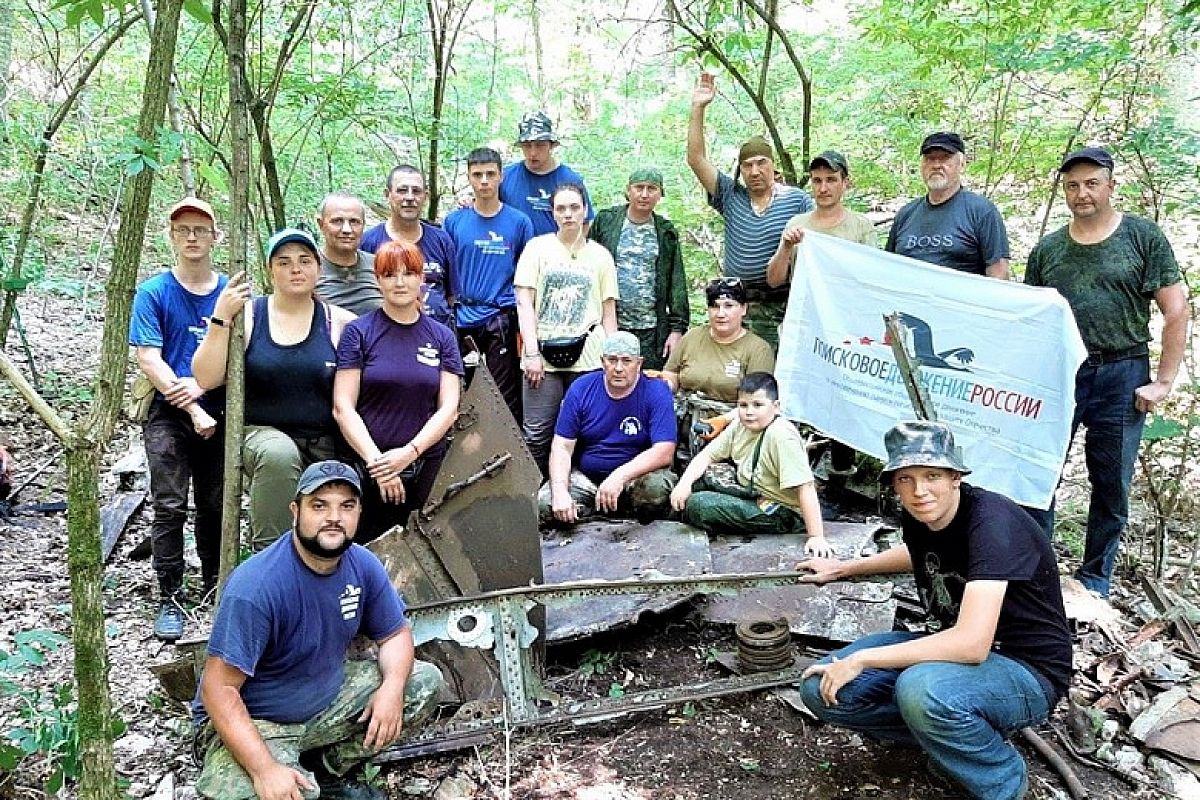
(143, 550)
(168, 626)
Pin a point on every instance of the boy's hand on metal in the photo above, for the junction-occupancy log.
(822, 570)
(716, 425)
(819, 547)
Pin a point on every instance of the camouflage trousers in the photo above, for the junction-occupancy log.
(334, 733)
(764, 319)
(647, 496)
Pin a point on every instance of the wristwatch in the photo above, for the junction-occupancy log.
(220, 323)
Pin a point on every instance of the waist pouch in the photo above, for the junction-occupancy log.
(564, 351)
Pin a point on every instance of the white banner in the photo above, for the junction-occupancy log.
(998, 360)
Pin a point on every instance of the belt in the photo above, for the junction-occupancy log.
(762, 295)
(1097, 357)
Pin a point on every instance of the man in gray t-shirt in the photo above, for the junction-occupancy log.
(950, 226)
(755, 214)
(347, 276)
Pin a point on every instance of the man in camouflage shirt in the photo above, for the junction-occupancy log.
(654, 303)
(1109, 266)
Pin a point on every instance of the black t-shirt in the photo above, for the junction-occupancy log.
(992, 538)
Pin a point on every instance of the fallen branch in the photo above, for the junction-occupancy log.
(1074, 787)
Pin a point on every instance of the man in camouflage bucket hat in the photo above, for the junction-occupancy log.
(645, 247)
(613, 442)
(529, 185)
(280, 712)
(997, 654)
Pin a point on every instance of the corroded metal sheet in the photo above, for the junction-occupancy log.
(618, 550)
(478, 530)
(839, 612)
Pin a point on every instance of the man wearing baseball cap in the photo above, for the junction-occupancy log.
(184, 446)
(997, 653)
(1110, 266)
(528, 185)
(645, 247)
(950, 226)
(755, 213)
(347, 276)
(281, 711)
(613, 443)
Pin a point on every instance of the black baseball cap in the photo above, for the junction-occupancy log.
(831, 159)
(1093, 155)
(943, 140)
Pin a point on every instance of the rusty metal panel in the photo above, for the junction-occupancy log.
(478, 530)
(618, 550)
(839, 612)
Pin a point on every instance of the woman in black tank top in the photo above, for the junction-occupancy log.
(291, 341)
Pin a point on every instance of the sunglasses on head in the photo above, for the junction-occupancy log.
(725, 283)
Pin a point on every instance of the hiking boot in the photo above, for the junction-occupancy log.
(168, 626)
(346, 789)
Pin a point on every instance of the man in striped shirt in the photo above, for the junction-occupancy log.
(755, 214)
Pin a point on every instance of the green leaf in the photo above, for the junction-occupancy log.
(1160, 428)
(55, 782)
(616, 690)
(198, 11)
(95, 9)
(214, 176)
(10, 757)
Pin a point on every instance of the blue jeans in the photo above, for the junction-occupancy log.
(959, 714)
(1104, 398)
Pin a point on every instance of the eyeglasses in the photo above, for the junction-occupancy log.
(188, 231)
(724, 283)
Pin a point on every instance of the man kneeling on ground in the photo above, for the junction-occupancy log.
(613, 442)
(1000, 658)
(281, 714)
(774, 490)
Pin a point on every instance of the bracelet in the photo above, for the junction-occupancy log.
(415, 449)
(535, 354)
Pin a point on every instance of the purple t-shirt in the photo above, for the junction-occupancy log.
(402, 369)
(608, 432)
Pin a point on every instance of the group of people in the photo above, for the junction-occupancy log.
(354, 366)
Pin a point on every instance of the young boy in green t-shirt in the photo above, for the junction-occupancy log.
(775, 491)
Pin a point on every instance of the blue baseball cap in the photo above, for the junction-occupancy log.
(289, 235)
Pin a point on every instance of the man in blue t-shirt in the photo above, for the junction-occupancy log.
(280, 711)
(182, 432)
(529, 185)
(488, 239)
(950, 226)
(613, 443)
(406, 195)
(755, 214)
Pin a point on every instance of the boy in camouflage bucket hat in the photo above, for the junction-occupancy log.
(280, 711)
(996, 656)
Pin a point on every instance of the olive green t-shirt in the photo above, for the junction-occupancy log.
(703, 365)
(782, 463)
(1109, 285)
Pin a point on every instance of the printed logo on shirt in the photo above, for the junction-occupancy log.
(198, 331)
(541, 202)
(494, 245)
(348, 600)
(915, 242)
(433, 268)
(631, 426)
(733, 368)
(429, 355)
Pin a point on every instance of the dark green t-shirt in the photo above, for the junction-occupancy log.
(1109, 285)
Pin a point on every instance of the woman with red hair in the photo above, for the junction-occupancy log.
(396, 392)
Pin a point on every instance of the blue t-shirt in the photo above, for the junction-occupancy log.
(608, 432)
(965, 233)
(438, 249)
(751, 238)
(402, 369)
(169, 317)
(486, 250)
(530, 193)
(288, 629)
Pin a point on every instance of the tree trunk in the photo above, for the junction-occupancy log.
(239, 215)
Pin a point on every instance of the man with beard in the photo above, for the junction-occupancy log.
(281, 714)
(950, 226)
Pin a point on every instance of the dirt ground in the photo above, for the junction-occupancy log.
(736, 748)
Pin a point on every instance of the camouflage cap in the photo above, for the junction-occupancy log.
(535, 127)
(622, 343)
(647, 175)
(921, 443)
